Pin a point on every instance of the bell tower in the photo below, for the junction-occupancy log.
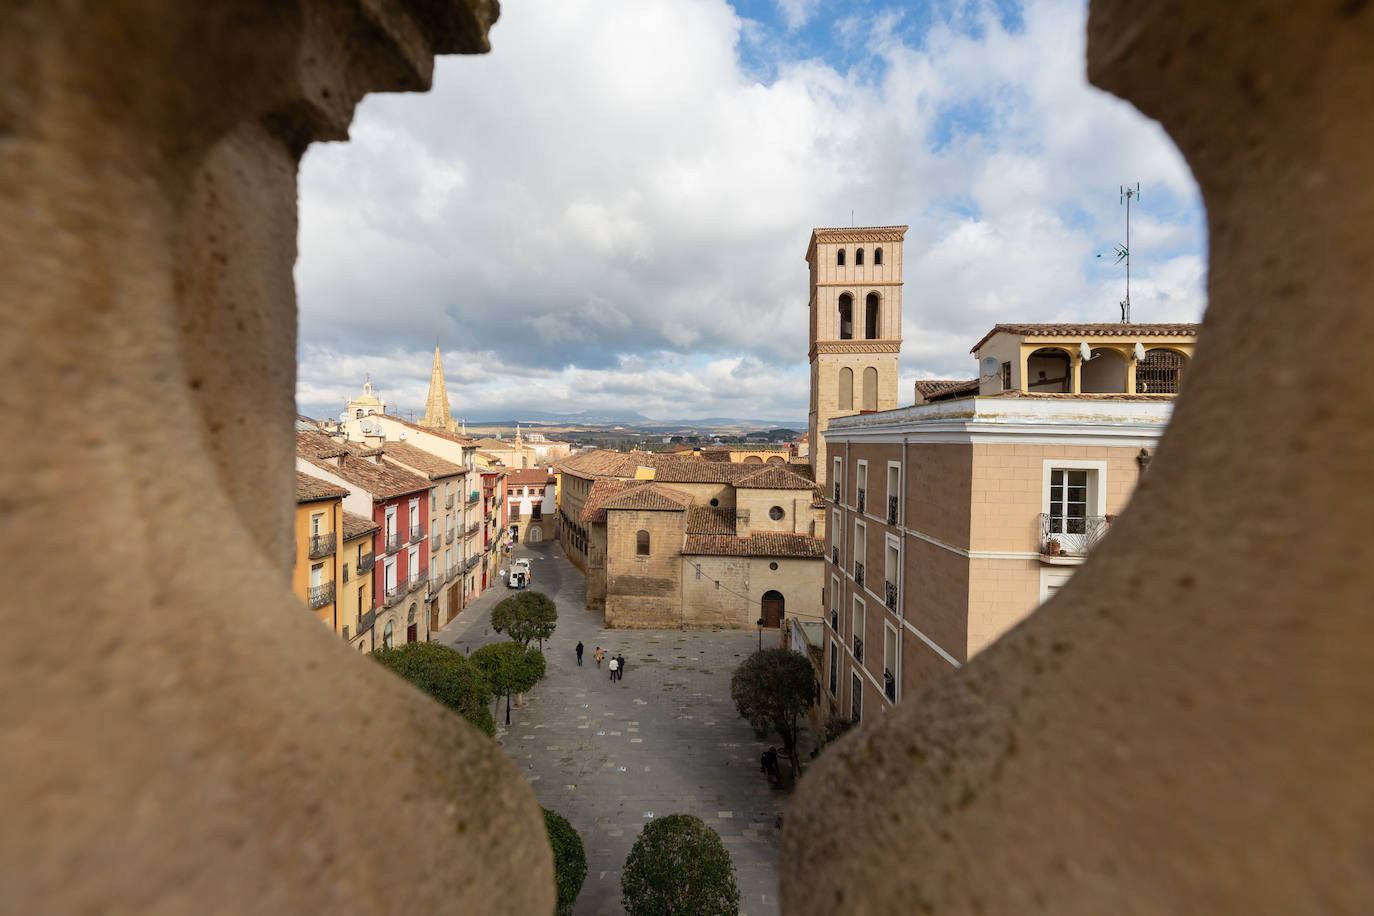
(856, 327)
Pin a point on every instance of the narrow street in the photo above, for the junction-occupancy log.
(666, 739)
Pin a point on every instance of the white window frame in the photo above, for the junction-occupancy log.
(838, 471)
(892, 574)
(858, 613)
(894, 466)
(856, 694)
(1097, 482)
(893, 638)
(833, 690)
(1054, 577)
(390, 529)
(861, 482)
(413, 564)
(316, 524)
(859, 549)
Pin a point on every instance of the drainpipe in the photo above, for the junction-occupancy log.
(901, 566)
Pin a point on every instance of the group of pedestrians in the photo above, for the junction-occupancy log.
(616, 666)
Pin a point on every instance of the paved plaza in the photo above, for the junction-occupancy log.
(666, 739)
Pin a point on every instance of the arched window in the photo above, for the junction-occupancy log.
(1159, 372)
(359, 412)
(846, 388)
(846, 316)
(386, 636)
(858, 257)
(642, 543)
(411, 618)
(870, 389)
(871, 317)
(877, 256)
(839, 258)
(772, 608)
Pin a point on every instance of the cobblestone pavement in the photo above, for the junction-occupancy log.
(666, 739)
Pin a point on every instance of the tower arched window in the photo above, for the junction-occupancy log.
(846, 317)
(846, 394)
(877, 256)
(870, 401)
(839, 258)
(642, 543)
(871, 317)
(858, 257)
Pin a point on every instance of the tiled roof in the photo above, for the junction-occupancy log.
(759, 544)
(355, 525)
(442, 433)
(931, 388)
(604, 463)
(603, 488)
(774, 477)
(708, 520)
(652, 498)
(1091, 330)
(422, 461)
(696, 471)
(380, 478)
(715, 454)
(309, 489)
(318, 445)
(1086, 396)
(524, 477)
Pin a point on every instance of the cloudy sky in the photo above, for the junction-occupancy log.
(610, 211)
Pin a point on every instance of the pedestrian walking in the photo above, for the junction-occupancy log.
(579, 653)
(619, 667)
(613, 666)
(599, 654)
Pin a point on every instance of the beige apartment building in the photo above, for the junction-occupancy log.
(449, 483)
(952, 521)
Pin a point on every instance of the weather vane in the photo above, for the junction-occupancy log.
(1123, 252)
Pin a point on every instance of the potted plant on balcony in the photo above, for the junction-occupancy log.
(1052, 547)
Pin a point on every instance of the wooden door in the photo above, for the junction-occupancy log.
(453, 604)
(772, 609)
(411, 633)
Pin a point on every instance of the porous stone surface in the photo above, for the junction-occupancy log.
(179, 735)
(1185, 727)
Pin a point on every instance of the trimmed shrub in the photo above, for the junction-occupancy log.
(445, 675)
(569, 860)
(772, 688)
(509, 666)
(679, 867)
(525, 617)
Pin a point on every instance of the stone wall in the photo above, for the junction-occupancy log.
(644, 591)
(738, 600)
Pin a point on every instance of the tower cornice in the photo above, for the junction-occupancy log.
(855, 234)
(822, 347)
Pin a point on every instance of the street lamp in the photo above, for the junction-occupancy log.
(760, 634)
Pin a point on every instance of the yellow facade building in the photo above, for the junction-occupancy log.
(318, 525)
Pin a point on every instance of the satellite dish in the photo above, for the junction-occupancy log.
(1085, 351)
(1139, 352)
(403, 435)
(989, 366)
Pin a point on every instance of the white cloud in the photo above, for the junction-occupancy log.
(609, 209)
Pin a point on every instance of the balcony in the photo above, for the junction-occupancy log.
(394, 594)
(472, 500)
(890, 595)
(436, 582)
(417, 581)
(394, 540)
(862, 499)
(435, 543)
(448, 503)
(835, 620)
(1068, 540)
(453, 572)
(320, 595)
(365, 622)
(858, 573)
(448, 536)
(472, 561)
(417, 534)
(890, 684)
(835, 556)
(858, 650)
(892, 511)
(837, 494)
(365, 563)
(472, 529)
(322, 545)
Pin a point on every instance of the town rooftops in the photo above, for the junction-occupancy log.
(710, 520)
(1077, 331)
(605, 463)
(604, 488)
(524, 477)
(312, 489)
(651, 497)
(759, 544)
(421, 461)
(379, 478)
(773, 477)
(315, 444)
(355, 526)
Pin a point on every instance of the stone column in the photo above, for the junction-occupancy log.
(180, 734)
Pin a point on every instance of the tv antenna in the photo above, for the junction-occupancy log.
(1123, 252)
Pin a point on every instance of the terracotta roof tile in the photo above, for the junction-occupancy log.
(318, 445)
(412, 456)
(932, 388)
(652, 498)
(355, 525)
(697, 471)
(708, 520)
(309, 489)
(603, 488)
(1092, 330)
(774, 477)
(380, 478)
(759, 544)
(524, 477)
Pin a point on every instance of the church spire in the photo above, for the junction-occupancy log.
(436, 406)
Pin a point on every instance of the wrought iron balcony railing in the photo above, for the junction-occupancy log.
(892, 510)
(320, 595)
(858, 573)
(835, 620)
(322, 545)
(890, 684)
(435, 543)
(394, 594)
(835, 555)
(1070, 536)
(474, 528)
(453, 572)
(417, 581)
(837, 493)
(365, 622)
(448, 503)
(448, 536)
(472, 500)
(862, 499)
(890, 595)
(365, 563)
(394, 540)
(417, 532)
(859, 649)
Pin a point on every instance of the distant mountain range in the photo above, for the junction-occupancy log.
(627, 418)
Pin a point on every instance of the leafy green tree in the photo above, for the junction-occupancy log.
(569, 860)
(509, 668)
(679, 866)
(771, 689)
(525, 617)
(445, 675)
